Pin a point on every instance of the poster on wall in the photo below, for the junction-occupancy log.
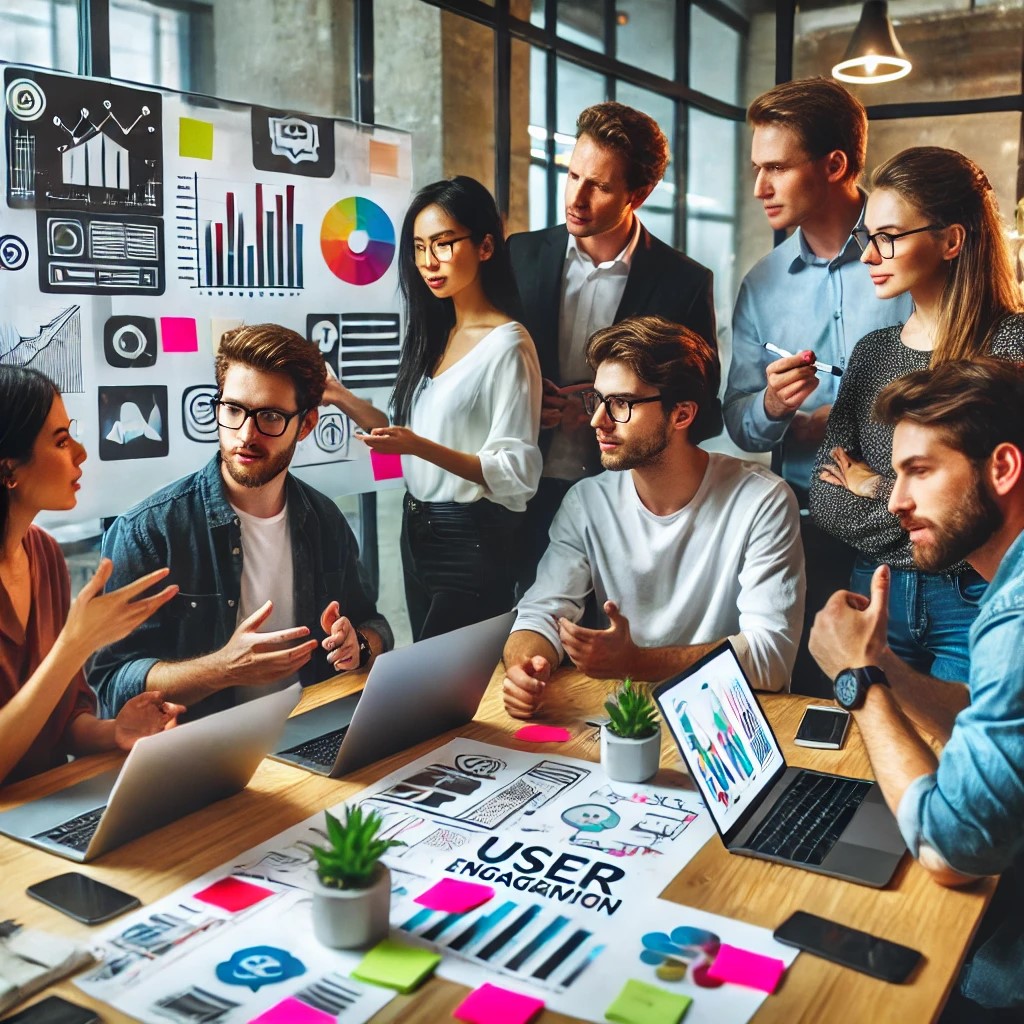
(141, 224)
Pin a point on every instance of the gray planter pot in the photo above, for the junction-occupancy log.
(352, 918)
(629, 760)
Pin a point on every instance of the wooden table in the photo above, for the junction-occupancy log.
(913, 910)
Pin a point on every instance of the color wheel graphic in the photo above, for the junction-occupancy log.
(357, 239)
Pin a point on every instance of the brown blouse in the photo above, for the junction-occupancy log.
(21, 651)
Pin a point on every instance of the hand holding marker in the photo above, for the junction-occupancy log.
(823, 367)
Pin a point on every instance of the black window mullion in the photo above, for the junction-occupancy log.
(94, 38)
(551, 112)
(502, 108)
(610, 22)
(680, 142)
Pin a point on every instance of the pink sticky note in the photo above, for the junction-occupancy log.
(233, 894)
(178, 334)
(385, 467)
(543, 734)
(454, 896)
(490, 1004)
(292, 1011)
(741, 967)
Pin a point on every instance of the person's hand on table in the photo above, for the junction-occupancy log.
(601, 653)
(857, 477)
(850, 631)
(342, 641)
(145, 714)
(524, 685)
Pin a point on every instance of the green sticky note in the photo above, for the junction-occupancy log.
(396, 965)
(640, 1003)
(195, 138)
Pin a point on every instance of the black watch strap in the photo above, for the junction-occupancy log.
(365, 651)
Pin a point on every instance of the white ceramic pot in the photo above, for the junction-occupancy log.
(629, 760)
(352, 918)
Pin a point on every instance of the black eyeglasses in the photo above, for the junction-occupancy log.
(618, 407)
(884, 242)
(270, 422)
(442, 249)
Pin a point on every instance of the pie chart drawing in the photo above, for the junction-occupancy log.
(357, 239)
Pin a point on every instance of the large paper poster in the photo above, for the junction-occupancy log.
(140, 224)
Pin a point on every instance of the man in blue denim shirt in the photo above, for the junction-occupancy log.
(252, 550)
(958, 452)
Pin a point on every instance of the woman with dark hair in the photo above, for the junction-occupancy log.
(47, 710)
(932, 229)
(466, 409)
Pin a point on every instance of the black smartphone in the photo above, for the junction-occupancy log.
(82, 897)
(823, 726)
(848, 946)
(54, 1010)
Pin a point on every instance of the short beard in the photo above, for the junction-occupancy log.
(262, 474)
(641, 453)
(970, 525)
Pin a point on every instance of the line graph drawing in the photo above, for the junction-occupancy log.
(55, 350)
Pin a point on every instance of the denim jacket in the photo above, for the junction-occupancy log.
(191, 527)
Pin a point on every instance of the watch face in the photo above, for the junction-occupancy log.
(846, 688)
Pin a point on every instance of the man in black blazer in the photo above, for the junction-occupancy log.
(594, 270)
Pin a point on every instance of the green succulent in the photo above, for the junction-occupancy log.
(632, 712)
(351, 859)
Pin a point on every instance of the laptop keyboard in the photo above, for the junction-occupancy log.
(322, 750)
(75, 832)
(809, 818)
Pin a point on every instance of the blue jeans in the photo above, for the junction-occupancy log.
(929, 616)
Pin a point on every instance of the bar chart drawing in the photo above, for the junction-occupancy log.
(238, 240)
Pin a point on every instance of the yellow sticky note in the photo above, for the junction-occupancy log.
(383, 158)
(640, 1003)
(396, 965)
(195, 138)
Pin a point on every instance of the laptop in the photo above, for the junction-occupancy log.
(410, 695)
(830, 824)
(165, 776)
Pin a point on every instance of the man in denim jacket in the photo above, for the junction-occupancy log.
(958, 451)
(269, 587)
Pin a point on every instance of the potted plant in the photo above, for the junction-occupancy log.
(352, 888)
(631, 740)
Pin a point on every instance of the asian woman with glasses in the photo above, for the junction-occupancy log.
(931, 228)
(465, 412)
(47, 710)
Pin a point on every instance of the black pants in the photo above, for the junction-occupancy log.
(458, 560)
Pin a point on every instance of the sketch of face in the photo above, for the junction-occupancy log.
(590, 817)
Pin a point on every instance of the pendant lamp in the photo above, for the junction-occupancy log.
(874, 54)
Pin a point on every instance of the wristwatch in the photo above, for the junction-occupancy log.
(365, 652)
(852, 684)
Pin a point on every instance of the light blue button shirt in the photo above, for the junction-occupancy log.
(798, 301)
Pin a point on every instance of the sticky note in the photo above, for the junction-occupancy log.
(491, 1004)
(383, 158)
(178, 334)
(233, 894)
(640, 1003)
(396, 965)
(741, 967)
(195, 138)
(543, 734)
(385, 467)
(293, 1011)
(454, 896)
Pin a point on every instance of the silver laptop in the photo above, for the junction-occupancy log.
(410, 695)
(762, 807)
(164, 777)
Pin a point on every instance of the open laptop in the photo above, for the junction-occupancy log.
(411, 694)
(164, 777)
(762, 807)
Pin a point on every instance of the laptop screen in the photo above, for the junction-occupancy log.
(724, 738)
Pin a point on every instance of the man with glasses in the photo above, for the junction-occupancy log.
(270, 589)
(597, 268)
(809, 297)
(674, 549)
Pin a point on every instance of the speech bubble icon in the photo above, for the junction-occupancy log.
(294, 138)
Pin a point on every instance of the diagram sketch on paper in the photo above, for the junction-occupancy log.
(56, 349)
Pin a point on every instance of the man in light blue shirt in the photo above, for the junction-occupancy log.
(958, 452)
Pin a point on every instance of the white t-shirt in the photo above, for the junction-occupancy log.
(487, 404)
(267, 575)
(728, 565)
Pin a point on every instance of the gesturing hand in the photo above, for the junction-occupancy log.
(850, 631)
(341, 642)
(391, 440)
(254, 658)
(524, 685)
(602, 653)
(143, 715)
(857, 477)
(96, 619)
(790, 380)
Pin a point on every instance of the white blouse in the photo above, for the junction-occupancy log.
(488, 404)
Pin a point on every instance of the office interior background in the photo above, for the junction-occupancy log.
(491, 88)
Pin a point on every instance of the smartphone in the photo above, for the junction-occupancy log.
(823, 726)
(848, 946)
(54, 1010)
(82, 897)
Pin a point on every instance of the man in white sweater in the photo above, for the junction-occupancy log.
(682, 551)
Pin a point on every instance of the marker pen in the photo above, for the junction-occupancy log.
(823, 367)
